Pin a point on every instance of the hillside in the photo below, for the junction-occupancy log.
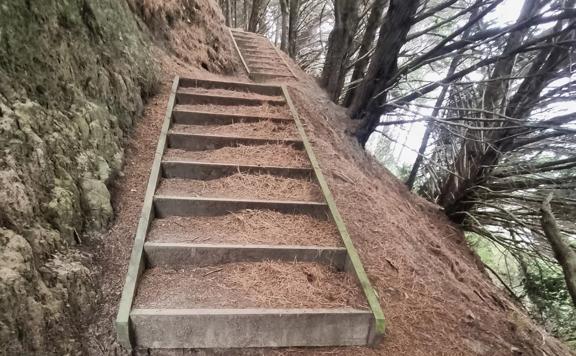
(85, 117)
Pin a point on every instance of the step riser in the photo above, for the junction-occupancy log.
(252, 57)
(201, 143)
(205, 118)
(202, 171)
(256, 50)
(250, 87)
(267, 76)
(224, 328)
(261, 68)
(189, 98)
(177, 206)
(177, 255)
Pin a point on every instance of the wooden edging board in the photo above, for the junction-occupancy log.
(136, 263)
(354, 258)
(238, 51)
(276, 50)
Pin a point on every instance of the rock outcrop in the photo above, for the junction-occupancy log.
(73, 77)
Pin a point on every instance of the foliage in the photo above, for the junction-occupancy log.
(538, 283)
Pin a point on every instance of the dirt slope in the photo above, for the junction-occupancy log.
(436, 297)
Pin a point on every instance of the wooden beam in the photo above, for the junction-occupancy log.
(354, 258)
(136, 263)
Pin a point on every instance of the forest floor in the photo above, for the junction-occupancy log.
(436, 296)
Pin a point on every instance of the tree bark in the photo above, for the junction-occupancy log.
(339, 44)
(234, 13)
(284, 28)
(370, 94)
(292, 27)
(254, 15)
(245, 15)
(563, 252)
(367, 42)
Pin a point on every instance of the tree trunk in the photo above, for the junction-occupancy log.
(367, 42)
(339, 43)
(235, 13)
(365, 104)
(245, 15)
(292, 27)
(563, 252)
(228, 13)
(254, 16)
(284, 30)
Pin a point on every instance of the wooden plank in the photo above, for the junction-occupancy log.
(240, 328)
(188, 117)
(165, 206)
(269, 76)
(262, 89)
(239, 53)
(183, 98)
(207, 171)
(196, 142)
(136, 263)
(180, 254)
(353, 256)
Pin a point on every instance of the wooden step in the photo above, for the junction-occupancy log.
(179, 254)
(184, 98)
(266, 68)
(182, 116)
(258, 50)
(235, 328)
(249, 40)
(252, 57)
(270, 76)
(165, 206)
(215, 84)
(205, 171)
(197, 142)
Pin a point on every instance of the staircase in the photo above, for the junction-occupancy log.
(240, 243)
(262, 61)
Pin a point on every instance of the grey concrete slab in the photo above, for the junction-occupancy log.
(239, 328)
(216, 84)
(186, 117)
(207, 171)
(195, 142)
(259, 76)
(197, 206)
(184, 98)
(179, 254)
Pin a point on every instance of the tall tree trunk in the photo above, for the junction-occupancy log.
(245, 15)
(228, 13)
(292, 27)
(369, 94)
(235, 12)
(367, 42)
(254, 15)
(284, 33)
(339, 43)
(563, 252)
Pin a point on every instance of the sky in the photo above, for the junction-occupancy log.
(411, 135)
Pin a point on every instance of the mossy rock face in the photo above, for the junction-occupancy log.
(73, 74)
